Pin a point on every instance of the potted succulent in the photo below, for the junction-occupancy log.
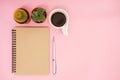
(21, 15)
(38, 15)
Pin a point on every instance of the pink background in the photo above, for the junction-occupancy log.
(91, 51)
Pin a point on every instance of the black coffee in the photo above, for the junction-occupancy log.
(58, 19)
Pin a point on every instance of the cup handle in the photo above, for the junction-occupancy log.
(65, 30)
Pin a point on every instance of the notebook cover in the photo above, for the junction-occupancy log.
(30, 50)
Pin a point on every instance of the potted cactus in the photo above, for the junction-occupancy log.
(21, 15)
(38, 15)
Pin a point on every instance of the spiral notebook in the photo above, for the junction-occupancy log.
(30, 50)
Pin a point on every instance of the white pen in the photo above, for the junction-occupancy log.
(54, 56)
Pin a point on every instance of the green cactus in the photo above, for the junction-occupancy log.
(21, 15)
(39, 15)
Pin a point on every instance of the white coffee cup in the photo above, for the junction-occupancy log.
(64, 28)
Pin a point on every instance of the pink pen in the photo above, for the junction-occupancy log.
(54, 56)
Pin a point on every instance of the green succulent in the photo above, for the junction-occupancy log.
(39, 15)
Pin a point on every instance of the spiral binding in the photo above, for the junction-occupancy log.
(13, 51)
